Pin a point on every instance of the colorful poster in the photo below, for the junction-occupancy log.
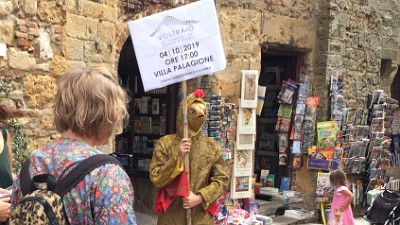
(326, 133)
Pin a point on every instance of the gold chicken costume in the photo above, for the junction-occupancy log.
(208, 170)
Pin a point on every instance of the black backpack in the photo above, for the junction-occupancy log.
(40, 207)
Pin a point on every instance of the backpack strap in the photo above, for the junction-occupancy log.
(27, 184)
(4, 132)
(69, 181)
(81, 170)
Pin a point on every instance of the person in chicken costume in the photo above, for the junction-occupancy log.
(209, 176)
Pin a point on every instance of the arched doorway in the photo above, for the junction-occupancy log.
(395, 90)
(148, 121)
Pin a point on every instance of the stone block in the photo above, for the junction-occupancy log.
(288, 31)
(6, 32)
(19, 34)
(39, 90)
(48, 11)
(98, 52)
(73, 49)
(389, 53)
(6, 8)
(106, 32)
(33, 32)
(21, 60)
(112, 3)
(47, 122)
(23, 28)
(43, 67)
(25, 43)
(99, 11)
(80, 27)
(32, 24)
(3, 62)
(12, 73)
(58, 65)
(30, 7)
(74, 6)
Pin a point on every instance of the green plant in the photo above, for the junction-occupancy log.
(5, 87)
(19, 144)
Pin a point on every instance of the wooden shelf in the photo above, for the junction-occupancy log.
(152, 136)
(142, 155)
(264, 153)
(267, 120)
(146, 114)
(134, 172)
(156, 95)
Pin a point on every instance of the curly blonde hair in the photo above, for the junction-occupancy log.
(91, 103)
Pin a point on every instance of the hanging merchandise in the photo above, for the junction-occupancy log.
(241, 182)
(383, 153)
(320, 158)
(288, 91)
(326, 133)
(337, 101)
(220, 123)
(312, 103)
(324, 188)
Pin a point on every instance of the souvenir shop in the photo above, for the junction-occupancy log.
(267, 135)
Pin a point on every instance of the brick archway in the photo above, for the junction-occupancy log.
(122, 34)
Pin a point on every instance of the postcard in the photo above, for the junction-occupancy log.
(246, 123)
(241, 187)
(249, 86)
(245, 141)
(243, 163)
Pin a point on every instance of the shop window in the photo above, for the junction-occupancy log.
(151, 115)
(275, 67)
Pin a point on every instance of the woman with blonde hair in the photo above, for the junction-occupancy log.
(89, 107)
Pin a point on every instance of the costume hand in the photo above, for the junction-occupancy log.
(14, 177)
(342, 208)
(192, 200)
(184, 147)
(4, 209)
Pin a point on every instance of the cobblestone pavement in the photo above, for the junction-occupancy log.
(359, 221)
(145, 219)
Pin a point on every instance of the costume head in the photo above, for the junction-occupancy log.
(196, 113)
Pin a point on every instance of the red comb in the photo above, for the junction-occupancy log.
(199, 93)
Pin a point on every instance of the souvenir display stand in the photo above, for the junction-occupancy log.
(364, 143)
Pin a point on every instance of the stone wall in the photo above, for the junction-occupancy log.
(43, 39)
(363, 35)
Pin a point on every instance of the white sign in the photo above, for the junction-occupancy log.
(178, 44)
(3, 49)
